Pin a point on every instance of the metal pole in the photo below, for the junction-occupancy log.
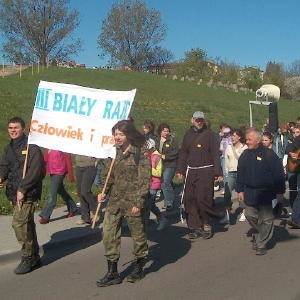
(250, 111)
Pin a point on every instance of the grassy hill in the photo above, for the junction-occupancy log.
(157, 98)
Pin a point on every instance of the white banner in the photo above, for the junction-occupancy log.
(77, 119)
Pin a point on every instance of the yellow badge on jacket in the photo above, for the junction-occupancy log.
(167, 145)
(24, 152)
(258, 158)
(199, 146)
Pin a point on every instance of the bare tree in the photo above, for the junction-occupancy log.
(37, 30)
(292, 88)
(294, 69)
(159, 55)
(130, 33)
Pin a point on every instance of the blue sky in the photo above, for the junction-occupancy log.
(245, 32)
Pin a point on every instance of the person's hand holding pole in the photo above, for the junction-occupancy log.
(20, 199)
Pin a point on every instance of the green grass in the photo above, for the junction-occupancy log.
(158, 98)
(6, 207)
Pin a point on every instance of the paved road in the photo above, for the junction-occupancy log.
(223, 267)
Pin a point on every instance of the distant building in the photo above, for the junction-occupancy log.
(126, 68)
(67, 64)
(163, 68)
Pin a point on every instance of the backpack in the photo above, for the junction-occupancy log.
(156, 170)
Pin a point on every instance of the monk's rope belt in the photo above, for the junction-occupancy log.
(182, 194)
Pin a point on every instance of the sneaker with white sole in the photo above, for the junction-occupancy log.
(242, 217)
(216, 188)
(225, 219)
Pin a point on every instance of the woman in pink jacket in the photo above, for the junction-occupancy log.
(58, 165)
(155, 186)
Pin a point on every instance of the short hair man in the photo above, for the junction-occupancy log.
(23, 190)
(260, 179)
(199, 164)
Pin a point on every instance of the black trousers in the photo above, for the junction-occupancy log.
(85, 177)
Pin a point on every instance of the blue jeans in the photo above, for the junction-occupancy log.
(98, 179)
(222, 183)
(167, 186)
(57, 187)
(151, 205)
(292, 180)
(230, 185)
(296, 204)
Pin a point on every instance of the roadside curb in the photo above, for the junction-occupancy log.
(86, 235)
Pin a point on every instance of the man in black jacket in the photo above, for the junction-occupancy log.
(293, 151)
(260, 179)
(23, 188)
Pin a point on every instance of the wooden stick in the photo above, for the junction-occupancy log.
(24, 172)
(25, 162)
(104, 187)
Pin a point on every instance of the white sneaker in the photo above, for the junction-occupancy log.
(162, 223)
(242, 217)
(216, 188)
(158, 195)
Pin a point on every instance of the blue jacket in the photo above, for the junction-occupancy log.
(260, 176)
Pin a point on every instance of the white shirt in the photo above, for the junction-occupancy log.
(231, 159)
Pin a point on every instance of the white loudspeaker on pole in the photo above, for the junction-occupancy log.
(265, 95)
(268, 92)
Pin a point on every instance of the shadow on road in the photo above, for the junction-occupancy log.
(170, 245)
(281, 234)
(78, 238)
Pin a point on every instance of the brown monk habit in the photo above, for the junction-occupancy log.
(200, 152)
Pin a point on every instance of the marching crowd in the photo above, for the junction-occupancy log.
(255, 163)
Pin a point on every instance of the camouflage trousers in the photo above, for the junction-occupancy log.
(24, 227)
(112, 235)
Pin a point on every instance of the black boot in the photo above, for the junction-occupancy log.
(27, 264)
(111, 277)
(138, 271)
